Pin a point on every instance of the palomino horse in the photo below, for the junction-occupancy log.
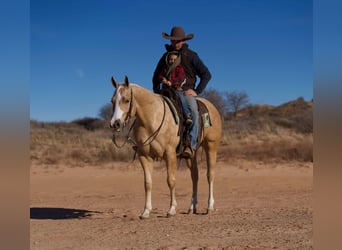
(155, 135)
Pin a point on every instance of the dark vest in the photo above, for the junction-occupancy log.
(187, 58)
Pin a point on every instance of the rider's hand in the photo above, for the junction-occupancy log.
(166, 82)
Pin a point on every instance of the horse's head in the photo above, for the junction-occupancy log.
(122, 104)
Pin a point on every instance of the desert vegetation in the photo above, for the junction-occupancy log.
(253, 133)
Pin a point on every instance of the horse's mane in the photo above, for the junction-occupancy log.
(139, 87)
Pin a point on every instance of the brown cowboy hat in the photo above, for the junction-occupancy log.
(177, 33)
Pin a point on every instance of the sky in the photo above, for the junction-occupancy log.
(261, 47)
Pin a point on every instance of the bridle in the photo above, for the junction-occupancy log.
(149, 139)
(128, 117)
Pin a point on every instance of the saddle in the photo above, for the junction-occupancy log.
(172, 99)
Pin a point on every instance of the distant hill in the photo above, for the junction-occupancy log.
(288, 109)
(296, 115)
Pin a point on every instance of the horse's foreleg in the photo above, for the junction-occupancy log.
(192, 164)
(147, 165)
(171, 163)
(211, 162)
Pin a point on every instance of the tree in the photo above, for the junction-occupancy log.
(236, 101)
(215, 98)
(105, 112)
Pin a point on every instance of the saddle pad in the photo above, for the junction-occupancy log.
(173, 108)
(204, 113)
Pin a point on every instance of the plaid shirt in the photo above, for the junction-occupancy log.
(177, 76)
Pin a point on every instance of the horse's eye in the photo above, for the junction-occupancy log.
(126, 101)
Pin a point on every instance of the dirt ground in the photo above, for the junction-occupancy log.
(258, 206)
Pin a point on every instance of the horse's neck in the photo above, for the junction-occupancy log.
(149, 107)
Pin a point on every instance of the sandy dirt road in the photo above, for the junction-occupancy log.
(257, 207)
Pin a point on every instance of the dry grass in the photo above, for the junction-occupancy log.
(74, 145)
(263, 139)
(283, 133)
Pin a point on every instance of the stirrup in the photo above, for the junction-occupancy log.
(188, 152)
(188, 122)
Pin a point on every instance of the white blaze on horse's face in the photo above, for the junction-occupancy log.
(117, 111)
(121, 104)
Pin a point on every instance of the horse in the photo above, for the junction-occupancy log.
(155, 136)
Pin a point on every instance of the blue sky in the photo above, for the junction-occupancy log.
(262, 47)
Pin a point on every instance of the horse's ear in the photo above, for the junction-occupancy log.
(126, 81)
(115, 84)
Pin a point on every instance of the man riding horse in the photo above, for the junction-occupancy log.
(193, 66)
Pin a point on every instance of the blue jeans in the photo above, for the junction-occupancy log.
(189, 104)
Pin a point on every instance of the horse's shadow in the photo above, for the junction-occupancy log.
(57, 213)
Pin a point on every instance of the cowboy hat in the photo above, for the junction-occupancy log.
(177, 33)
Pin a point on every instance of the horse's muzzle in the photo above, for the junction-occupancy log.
(116, 125)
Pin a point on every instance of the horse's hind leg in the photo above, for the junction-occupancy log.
(211, 152)
(192, 165)
(171, 163)
(147, 165)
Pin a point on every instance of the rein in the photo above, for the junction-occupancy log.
(155, 133)
(128, 138)
(149, 140)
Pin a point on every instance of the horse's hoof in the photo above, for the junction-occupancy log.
(192, 211)
(170, 215)
(143, 217)
(210, 211)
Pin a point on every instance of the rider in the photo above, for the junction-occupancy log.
(193, 67)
